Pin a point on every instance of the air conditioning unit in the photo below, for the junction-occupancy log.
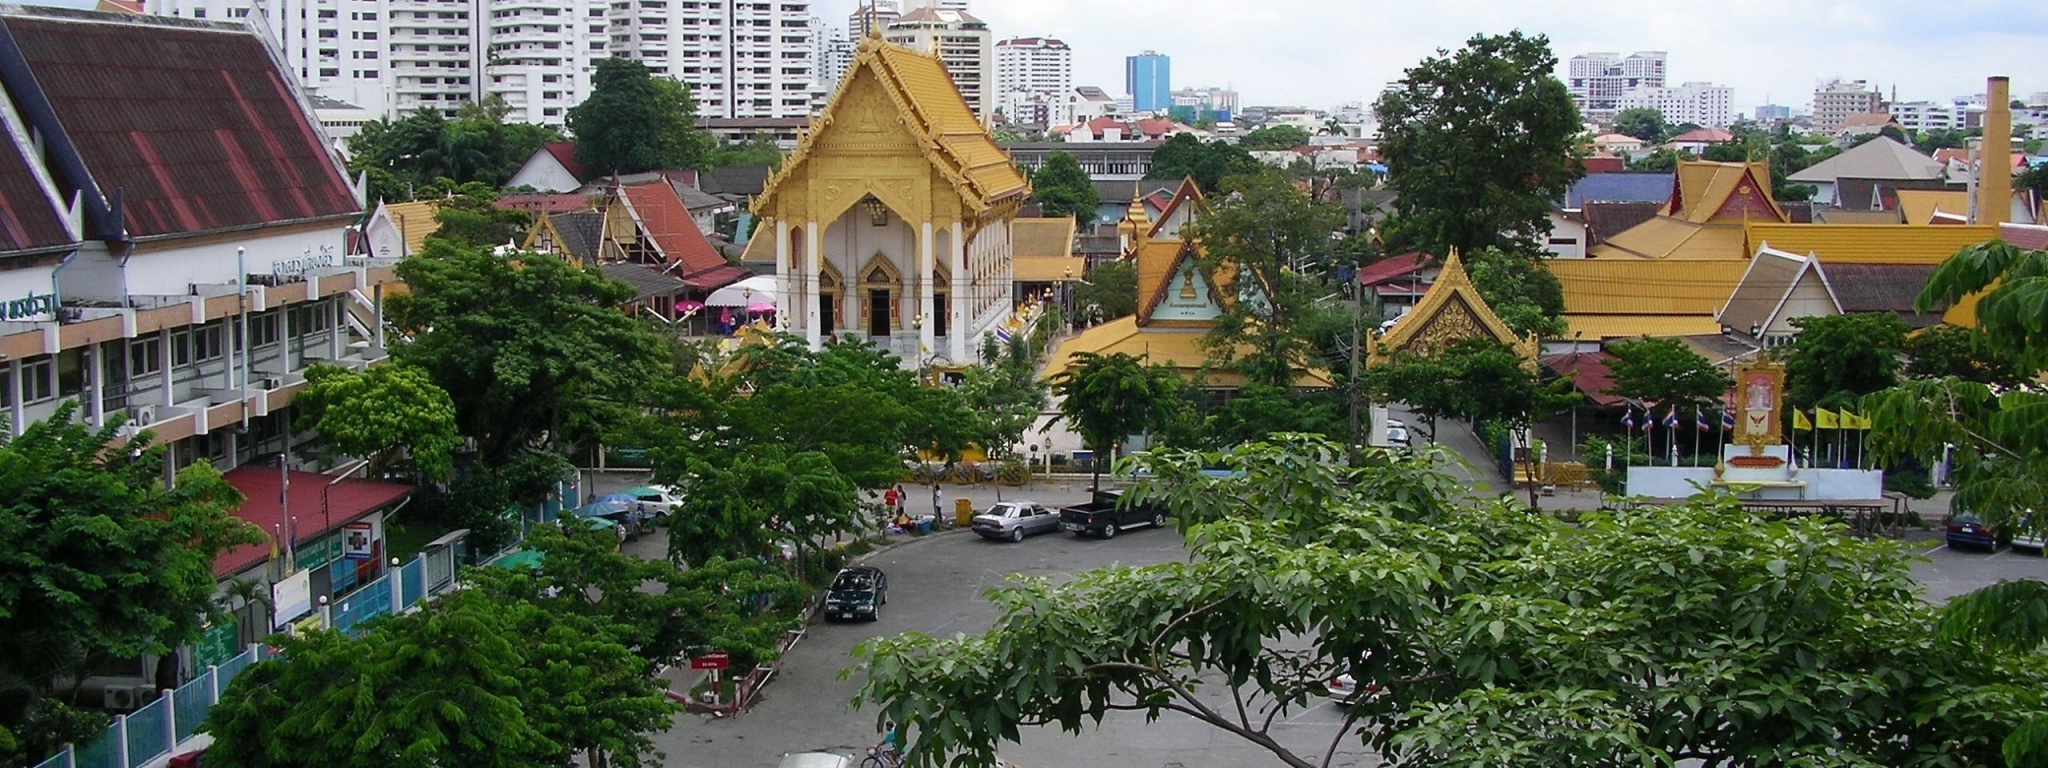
(117, 697)
(273, 383)
(144, 694)
(142, 414)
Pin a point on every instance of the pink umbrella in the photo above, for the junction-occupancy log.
(760, 308)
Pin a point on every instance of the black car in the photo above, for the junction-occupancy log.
(1968, 531)
(857, 593)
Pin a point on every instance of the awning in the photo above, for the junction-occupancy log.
(317, 508)
(751, 291)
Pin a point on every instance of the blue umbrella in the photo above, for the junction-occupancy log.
(619, 497)
(604, 508)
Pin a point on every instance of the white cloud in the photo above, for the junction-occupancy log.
(1323, 52)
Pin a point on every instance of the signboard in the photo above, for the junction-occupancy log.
(712, 660)
(319, 552)
(293, 597)
(34, 306)
(216, 644)
(359, 540)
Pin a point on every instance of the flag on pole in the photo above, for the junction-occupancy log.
(1649, 421)
(1727, 420)
(1699, 417)
(1826, 419)
(1799, 421)
(1671, 418)
(1853, 421)
(1628, 419)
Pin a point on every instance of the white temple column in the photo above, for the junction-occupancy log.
(785, 286)
(813, 325)
(958, 304)
(926, 298)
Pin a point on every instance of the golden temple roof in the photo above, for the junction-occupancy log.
(1871, 243)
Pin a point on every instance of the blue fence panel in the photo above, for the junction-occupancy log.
(192, 702)
(103, 752)
(412, 583)
(234, 666)
(373, 600)
(55, 761)
(149, 733)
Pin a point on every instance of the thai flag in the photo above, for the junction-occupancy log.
(1671, 418)
(1003, 335)
(1700, 419)
(1727, 420)
(1628, 420)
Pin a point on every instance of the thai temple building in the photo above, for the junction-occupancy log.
(891, 219)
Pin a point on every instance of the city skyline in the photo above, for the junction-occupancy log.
(1766, 54)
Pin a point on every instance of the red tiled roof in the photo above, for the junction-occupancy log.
(2032, 238)
(716, 278)
(1707, 135)
(1588, 372)
(1389, 268)
(565, 153)
(1155, 126)
(29, 219)
(346, 502)
(664, 220)
(193, 127)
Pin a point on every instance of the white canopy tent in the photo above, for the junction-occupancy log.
(753, 291)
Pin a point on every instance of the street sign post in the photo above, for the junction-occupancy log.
(712, 660)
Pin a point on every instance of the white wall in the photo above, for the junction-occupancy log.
(174, 271)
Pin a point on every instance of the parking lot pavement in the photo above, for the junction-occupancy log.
(1946, 572)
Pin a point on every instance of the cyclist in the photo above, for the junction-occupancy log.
(887, 753)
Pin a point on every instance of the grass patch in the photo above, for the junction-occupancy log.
(403, 541)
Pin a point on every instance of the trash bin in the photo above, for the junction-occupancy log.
(924, 525)
(963, 513)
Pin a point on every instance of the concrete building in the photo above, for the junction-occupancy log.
(1704, 104)
(1768, 112)
(937, 5)
(395, 57)
(873, 15)
(1038, 65)
(1835, 100)
(1599, 80)
(1923, 115)
(1148, 79)
(1192, 104)
(832, 52)
(962, 42)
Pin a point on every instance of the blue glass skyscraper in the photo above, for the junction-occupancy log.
(1148, 78)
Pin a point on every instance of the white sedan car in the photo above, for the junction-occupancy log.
(656, 500)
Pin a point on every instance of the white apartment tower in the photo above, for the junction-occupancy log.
(1599, 80)
(962, 44)
(870, 16)
(1034, 65)
(741, 58)
(832, 53)
(937, 5)
(1703, 104)
(1835, 100)
(1924, 115)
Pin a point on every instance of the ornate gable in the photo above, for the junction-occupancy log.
(1451, 311)
(1187, 201)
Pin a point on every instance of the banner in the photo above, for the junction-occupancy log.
(293, 597)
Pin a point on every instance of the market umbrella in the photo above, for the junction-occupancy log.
(745, 293)
(623, 497)
(604, 508)
(759, 308)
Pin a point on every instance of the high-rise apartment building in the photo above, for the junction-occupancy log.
(1035, 65)
(1835, 100)
(1768, 112)
(871, 16)
(961, 42)
(832, 53)
(1924, 115)
(1148, 78)
(1599, 80)
(741, 58)
(938, 5)
(1703, 104)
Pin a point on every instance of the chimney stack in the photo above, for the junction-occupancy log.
(1994, 154)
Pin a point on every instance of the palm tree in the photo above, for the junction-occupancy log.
(1107, 398)
(238, 597)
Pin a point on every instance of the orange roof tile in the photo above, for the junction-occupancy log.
(1870, 243)
(665, 222)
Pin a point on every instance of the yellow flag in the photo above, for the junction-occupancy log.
(1862, 421)
(1799, 421)
(1825, 419)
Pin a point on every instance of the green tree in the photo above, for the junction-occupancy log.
(1699, 632)
(1418, 382)
(1109, 398)
(1110, 292)
(759, 149)
(1641, 122)
(1836, 359)
(1263, 241)
(1479, 143)
(1964, 353)
(1926, 142)
(1254, 412)
(410, 157)
(1273, 138)
(1186, 157)
(532, 348)
(1665, 372)
(1504, 390)
(1520, 290)
(762, 497)
(1064, 190)
(1661, 159)
(2034, 178)
(634, 122)
(382, 414)
(468, 215)
(103, 562)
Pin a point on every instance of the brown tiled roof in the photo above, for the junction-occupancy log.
(1604, 219)
(1881, 288)
(2033, 238)
(192, 126)
(564, 152)
(1769, 279)
(29, 218)
(665, 221)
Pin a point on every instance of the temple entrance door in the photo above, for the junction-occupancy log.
(828, 312)
(878, 312)
(941, 312)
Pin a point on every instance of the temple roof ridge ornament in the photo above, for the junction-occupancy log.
(1450, 311)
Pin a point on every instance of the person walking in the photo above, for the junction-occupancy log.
(936, 499)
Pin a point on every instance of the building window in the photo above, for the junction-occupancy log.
(263, 330)
(181, 349)
(38, 381)
(144, 358)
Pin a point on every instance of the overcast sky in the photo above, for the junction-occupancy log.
(1320, 53)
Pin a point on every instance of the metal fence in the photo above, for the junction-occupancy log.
(155, 730)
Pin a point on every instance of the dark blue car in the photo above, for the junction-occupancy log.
(1968, 531)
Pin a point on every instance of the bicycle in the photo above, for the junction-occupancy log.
(881, 756)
